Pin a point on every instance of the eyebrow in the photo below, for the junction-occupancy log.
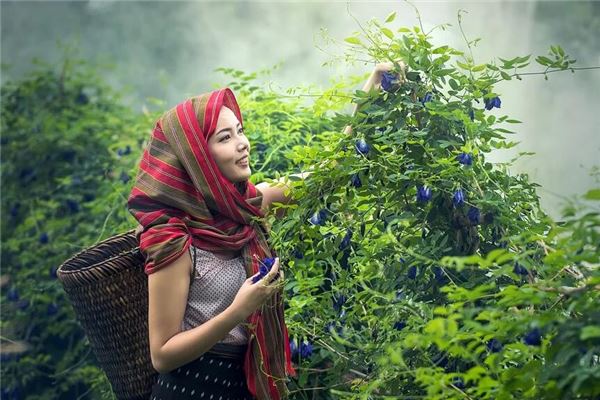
(227, 129)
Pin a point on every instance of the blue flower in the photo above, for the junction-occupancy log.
(264, 268)
(124, 177)
(43, 238)
(23, 304)
(399, 325)
(52, 309)
(428, 97)
(388, 80)
(13, 294)
(338, 302)
(438, 273)
(355, 180)
(459, 198)
(318, 218)
(473, 215)
(471, 114)
(293, 348)
(494, 345)
(458, 382)
(346, 240)
(412, 272)
(72, 205)
(519, 269)
(423, 194)
(465, 158)
(14, 210)
(298, 254)
(127, 150)
(491, 103)
(533, 337)
(306, 349)
(362, 147)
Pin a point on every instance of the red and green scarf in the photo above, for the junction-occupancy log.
(181, 198)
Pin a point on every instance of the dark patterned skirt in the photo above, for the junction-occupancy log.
(216, 375)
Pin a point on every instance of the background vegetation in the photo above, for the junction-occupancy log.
(418, 269)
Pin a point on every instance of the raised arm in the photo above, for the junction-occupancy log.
(275, 192)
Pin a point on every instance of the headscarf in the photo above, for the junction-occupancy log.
(181, 198)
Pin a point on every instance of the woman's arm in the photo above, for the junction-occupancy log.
(275, 192)
(167, 299)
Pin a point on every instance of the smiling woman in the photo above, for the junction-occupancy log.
(193, 196)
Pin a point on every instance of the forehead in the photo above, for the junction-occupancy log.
(226, 117)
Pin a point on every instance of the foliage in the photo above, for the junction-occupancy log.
(416, 267)
(435, 274)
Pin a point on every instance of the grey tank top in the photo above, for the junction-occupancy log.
(213, 287)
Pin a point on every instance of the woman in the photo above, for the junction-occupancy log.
(214, 333)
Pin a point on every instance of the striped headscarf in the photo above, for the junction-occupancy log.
(181, 198)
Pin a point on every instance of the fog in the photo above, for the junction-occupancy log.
(170, 50)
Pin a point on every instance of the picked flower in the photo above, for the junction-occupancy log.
(264, 268)
(389, 80)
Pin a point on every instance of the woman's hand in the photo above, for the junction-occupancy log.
(252, 296)
(381, 68)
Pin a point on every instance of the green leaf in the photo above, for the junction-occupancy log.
(593, 194)
(505, 76)
(353, 40)
(387, 33)
(589, 332)
(390, 17)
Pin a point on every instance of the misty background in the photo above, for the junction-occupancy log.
(169, 50)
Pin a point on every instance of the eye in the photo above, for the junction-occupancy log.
(224, 137)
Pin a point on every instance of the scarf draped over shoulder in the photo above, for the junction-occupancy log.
(180, 198)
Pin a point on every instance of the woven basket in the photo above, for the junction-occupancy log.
(108, 289)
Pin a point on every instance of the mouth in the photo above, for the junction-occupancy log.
(243, 162)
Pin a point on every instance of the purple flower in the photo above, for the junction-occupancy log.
(43, 238)
(338, 302)
(533, 337)
(428, 97)
(494, 345)
(459, 198)
(471, 114)
(355, 181)
(293, 348)
(318, 218)
(14, 210)
(458, 382)
(473, 215)
(399, 325)
(298, 254)
(264, 268)
(423, 194)
(346, 240)
(124, 177)
(23, 304)
(306, 349)
(72, 205)
(13, 294)
(52, 309)
(362, 147)
(465, 158)
(491, 103)
(519, 269)
(412, 272)
(388, 80)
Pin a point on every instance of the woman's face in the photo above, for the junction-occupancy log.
(228, 145)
